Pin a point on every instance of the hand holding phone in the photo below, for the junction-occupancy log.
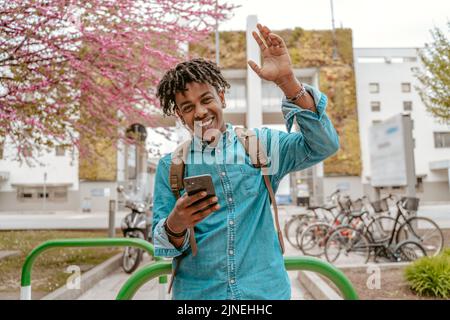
(196, 204)
(200, 183)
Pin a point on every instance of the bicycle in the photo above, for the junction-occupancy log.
(313, 214)
(311, 240)
(350, 244)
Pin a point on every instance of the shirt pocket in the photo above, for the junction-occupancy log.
(245, 179)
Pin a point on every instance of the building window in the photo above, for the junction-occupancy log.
(374, 87)
(410, 59)
(271, 95)
(442, 139)
(60, 151)
(407, 105)
(36, 194)
(406, 87)
(41, 195)
(236, 97)
(26, 194)
(375, 106)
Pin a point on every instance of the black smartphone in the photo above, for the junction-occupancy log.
(200, 183)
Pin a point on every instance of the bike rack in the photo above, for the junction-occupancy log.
(147, 273)
(25, 289)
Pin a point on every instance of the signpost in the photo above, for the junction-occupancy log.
(392, 154)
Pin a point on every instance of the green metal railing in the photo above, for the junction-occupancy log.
(161, 268)
(145, 274)
(25, 291)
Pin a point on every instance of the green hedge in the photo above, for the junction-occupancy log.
(430, 276)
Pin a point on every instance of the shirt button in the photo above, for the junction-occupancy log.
(231, 222)
(223, 173)
(230, 199)
(232, 281)
(231, 252)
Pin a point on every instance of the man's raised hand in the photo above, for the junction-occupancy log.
(276, 63)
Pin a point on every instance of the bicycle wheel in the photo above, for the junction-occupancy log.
(312, 240)
(347, 245)
(409, 250)
(381, 228)
(296, 224)
(423, 230)
(132, 256)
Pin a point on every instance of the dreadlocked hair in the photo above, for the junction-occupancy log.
(175, 80)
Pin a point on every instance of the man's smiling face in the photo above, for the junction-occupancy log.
(201, 108)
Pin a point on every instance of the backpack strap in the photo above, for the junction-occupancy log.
(258, 156)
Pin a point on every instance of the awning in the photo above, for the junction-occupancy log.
(440, 165)
(39, 185)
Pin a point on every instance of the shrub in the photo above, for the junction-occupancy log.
(430, 276)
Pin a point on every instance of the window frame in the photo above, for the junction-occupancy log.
(377, 84)
(404, 106)
(403, 88)
(441, 142)
(374, 105)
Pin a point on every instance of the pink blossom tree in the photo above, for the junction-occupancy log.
(71, 67)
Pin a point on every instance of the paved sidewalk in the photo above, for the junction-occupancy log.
(99, 220)
(58, 220)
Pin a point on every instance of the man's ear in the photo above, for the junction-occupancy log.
(178, 114)
(222, 98)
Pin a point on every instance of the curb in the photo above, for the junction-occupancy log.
(317, 287)
(7, 254)
(88, 280)
(384, 266)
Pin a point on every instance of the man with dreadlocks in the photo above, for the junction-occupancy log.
(238, 256)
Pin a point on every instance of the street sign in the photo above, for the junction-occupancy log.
(392, 153)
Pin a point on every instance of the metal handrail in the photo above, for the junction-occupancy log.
(147, 273)
(25, 290)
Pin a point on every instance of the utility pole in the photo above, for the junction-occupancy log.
(335, 53)
(44, 198)
(217, 36)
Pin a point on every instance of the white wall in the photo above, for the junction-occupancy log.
(59, 169)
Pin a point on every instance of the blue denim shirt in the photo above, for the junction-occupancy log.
(239, 256)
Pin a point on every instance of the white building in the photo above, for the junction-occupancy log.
(385, 86)
(51, 185)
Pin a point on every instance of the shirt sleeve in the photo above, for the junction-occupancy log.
(296, 150)
(163, 203)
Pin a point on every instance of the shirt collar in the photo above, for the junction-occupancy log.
(228, 138)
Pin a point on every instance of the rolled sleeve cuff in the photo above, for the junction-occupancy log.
(163, 247)
(291, 110)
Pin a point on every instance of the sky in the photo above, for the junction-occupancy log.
(375, 24)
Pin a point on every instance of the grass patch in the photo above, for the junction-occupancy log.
(49, 269)
(430, 276)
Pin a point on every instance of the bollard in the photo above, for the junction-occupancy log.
(112, 219)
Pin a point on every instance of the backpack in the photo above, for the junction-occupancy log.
(254, 149)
